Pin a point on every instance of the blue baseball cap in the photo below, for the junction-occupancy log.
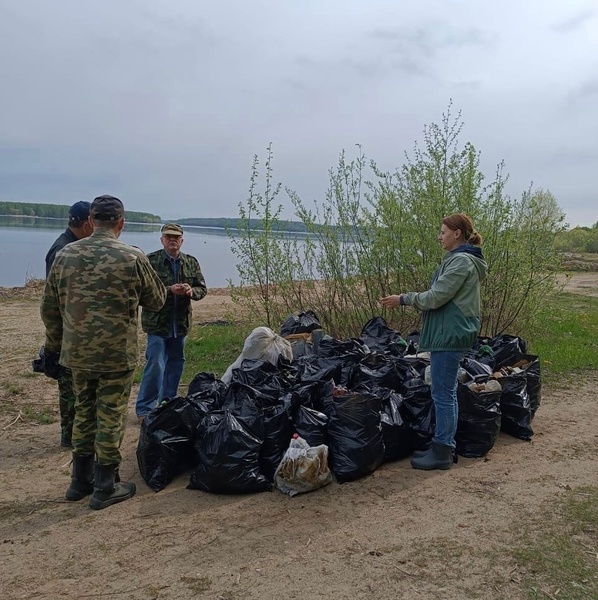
(79, 211)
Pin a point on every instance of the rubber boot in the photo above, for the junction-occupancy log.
(420, 453)
(106, 491)
(439, 457)
(81, 478)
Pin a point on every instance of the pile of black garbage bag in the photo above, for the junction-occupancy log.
(367, 398)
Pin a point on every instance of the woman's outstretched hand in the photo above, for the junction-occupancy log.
(391, 301)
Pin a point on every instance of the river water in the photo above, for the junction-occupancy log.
(23, 250)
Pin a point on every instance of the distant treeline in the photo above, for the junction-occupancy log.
(578, 239)
(228, 223)
(61, 211)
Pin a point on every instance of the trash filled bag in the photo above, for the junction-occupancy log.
(476, 368)
(516, 407)
(304, 322)
(228, 448)
(206, 385)
(165, 447)
(267, 405)
(396, 433)
(530, 365)
(417, 410)
(303, 468)
(354, 433)
(379, 337)
(256, 376)
(376, 370)
(505, 347)
(261, 344)
(479, 419)
(311, 425)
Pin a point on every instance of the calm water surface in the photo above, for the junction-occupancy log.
(23, 251)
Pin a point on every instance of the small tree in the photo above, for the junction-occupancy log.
(375, 234)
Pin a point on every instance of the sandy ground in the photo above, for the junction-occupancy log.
(398, 533)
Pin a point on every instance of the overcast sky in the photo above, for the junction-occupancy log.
(164, 102)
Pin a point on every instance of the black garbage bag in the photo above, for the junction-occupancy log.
(417, 410)
(304, 322)
(475, 368)
(165, 447)
(228, 449)
(269, 406)
(397, 435)
(259, 375)
(311, 425)
(379, 337)
(479, 419)
(505, 347)
(341, 367)
(482, 352)
(376, 370)
(354, 434)
(530, 365)
(278, 431)
(411, 367)
(301, 348)
(516, 407)
(332, 347)
(206, 385)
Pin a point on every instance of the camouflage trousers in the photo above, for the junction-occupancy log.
(100, 413)
(66, 402)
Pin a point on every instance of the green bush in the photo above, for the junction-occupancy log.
(375, 233)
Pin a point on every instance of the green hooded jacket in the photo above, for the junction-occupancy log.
(451, 320)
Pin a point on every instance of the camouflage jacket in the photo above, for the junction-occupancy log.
(175, 315)
(91, 299)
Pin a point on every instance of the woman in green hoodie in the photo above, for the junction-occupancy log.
(451, 322)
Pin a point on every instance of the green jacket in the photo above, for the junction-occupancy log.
(452, 304)
(177, 309)
(90, 302)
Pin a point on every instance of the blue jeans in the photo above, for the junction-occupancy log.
(444, 367)
(165, 358)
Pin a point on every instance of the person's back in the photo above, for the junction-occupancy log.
(98, 281)
(89, 308)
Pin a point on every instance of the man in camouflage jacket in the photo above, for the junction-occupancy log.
(166, 329)
(89, 308)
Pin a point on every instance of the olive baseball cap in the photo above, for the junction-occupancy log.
(171, 229)
(107, 208)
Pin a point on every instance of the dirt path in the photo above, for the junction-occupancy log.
(399, 533)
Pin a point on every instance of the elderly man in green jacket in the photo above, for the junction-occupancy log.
(167, 328)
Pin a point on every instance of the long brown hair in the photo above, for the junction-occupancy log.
(464, 223)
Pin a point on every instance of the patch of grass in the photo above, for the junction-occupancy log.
(567, 338)
(14, 389)
(210, 348)
(198, 584)
(559, 554)
(43, 414)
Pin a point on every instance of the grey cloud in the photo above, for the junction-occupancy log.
(573, 23)
(432, 38)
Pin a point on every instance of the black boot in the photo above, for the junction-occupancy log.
(106, 491)
(81, 478)
(439, 457)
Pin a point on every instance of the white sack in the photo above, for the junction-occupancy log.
(261, 344)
